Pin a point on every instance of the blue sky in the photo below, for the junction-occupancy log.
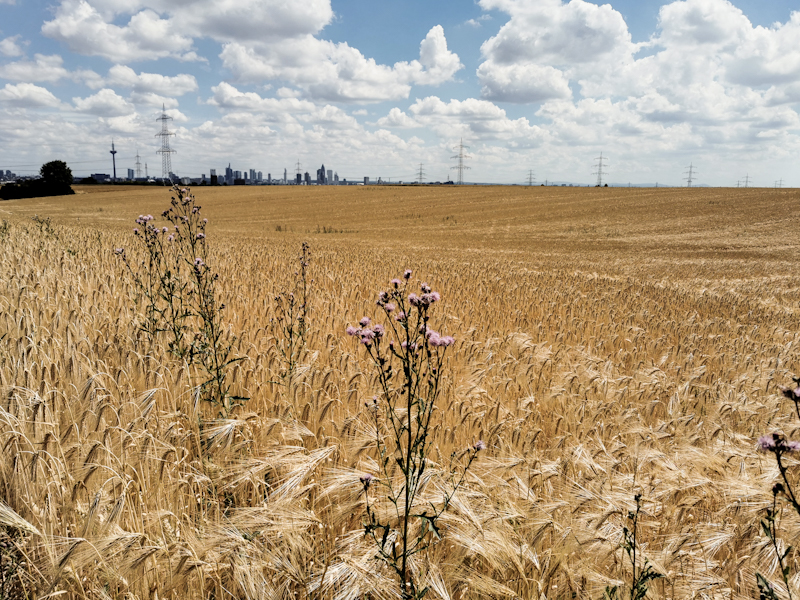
(375, 88)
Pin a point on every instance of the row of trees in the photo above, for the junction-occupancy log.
(56, 180)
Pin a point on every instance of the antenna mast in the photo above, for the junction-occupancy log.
(601, 162)
(166, 152)
(691, 173)
(461, 157)
(114, 159)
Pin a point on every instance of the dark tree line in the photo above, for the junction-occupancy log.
(56, 180)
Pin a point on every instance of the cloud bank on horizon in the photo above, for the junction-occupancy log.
(540, 84)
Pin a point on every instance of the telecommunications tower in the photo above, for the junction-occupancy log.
(461, 157)
(114, 159)
(690, 177)
(420, 174)
(138, 165)
(601, 163)
(166, 152)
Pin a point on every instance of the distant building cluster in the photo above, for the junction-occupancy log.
(7, 175)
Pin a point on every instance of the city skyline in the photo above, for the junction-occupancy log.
(541, 85)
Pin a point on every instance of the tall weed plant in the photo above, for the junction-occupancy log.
(409, 356)
(176, 287)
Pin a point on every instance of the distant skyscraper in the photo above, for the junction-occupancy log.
(131, 174)
(269, 177)
(284, 177)
(229, 175)
(366, 180)
(307, 178)
(329, 178)
(260, 177)
(336, 179)
(252, 174)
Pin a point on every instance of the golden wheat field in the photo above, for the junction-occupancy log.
(609, 342)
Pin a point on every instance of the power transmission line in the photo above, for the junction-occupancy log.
(599, 166)
(690, 177)
(460, 167)
(421, 174)
(166, 152)
(779, 183)
(530, 177)
(747, 181)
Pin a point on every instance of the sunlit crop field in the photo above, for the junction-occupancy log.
(609, 342)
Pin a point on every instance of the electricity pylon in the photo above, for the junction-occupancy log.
(599, 166)
(166, 152)
(460, 167)
(420, 174)
(690, 177)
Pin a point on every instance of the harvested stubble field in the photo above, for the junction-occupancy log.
(609, 342)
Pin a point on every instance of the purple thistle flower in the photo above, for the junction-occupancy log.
(426, 289)
(407, 274)
(792, 394)
(136, 231)
(766, 443)
(447, 340)
(205, 220)
(479, 445)
(351, 330)
(379, 330)
(400, 316)
(776, 443)
(364, 321)
(396, 282)
(413, 299)
(198, 262)
(389, 307)
(164, 230)
(119, 250)
(366, 479)
(201, 236)
(171, 237)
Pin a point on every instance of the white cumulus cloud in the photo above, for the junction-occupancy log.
(27, 95)
(329, 71)
(10, 47)
(105, 103)
(145, 36)
(41, 68)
